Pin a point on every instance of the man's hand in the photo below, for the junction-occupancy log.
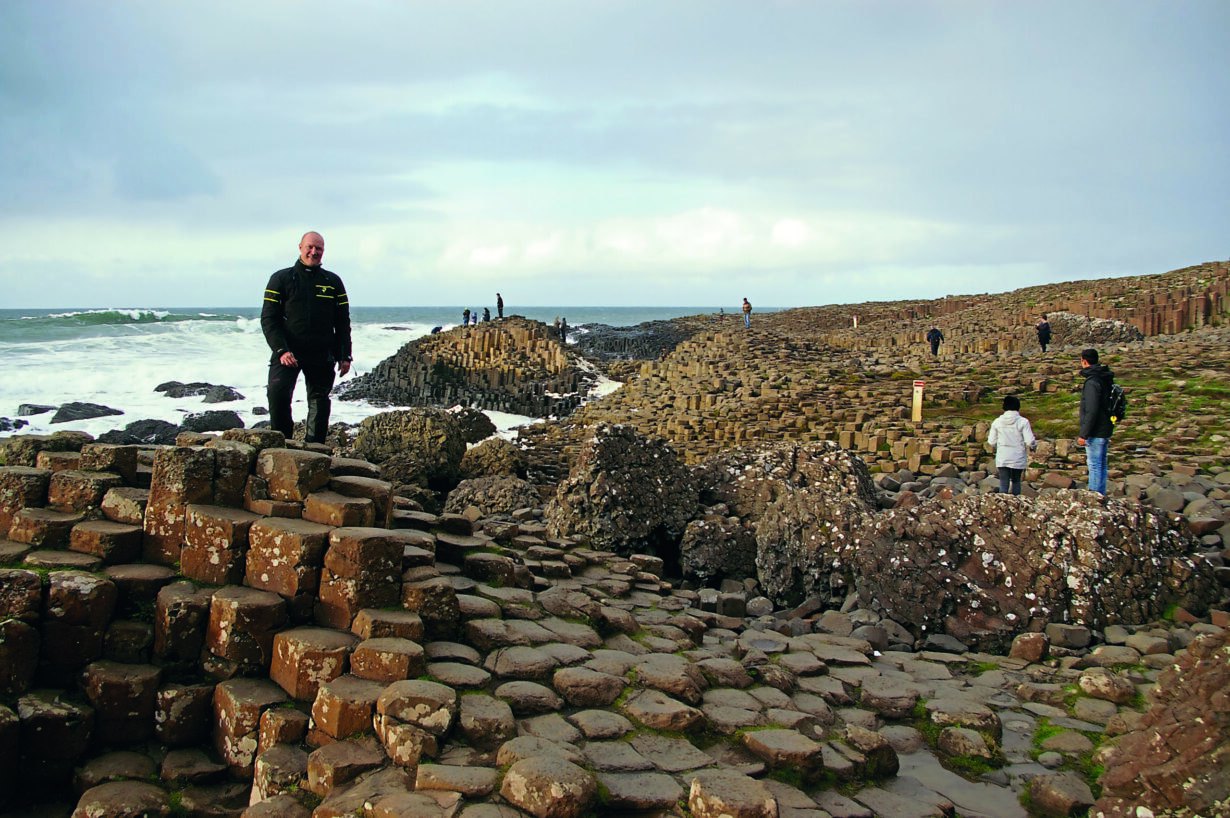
(1080, 441)
(288, 359)
(343, 367)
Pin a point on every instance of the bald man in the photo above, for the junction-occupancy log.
(306, 321)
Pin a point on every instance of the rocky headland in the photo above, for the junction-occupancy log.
(746, 583)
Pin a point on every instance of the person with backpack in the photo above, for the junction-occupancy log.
(1096, 425)
(1013, 439)
(934, 336)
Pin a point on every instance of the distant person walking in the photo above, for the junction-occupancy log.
(1013, 439)
(306, 321)
(747, 313)
(465, 317)
(499, 305)
(1096, 426)
(934, 337)
(1043, 328)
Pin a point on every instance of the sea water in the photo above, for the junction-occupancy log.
(116, 357)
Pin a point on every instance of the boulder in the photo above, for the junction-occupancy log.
(428, 444)
(627, 493)
(77, 410)
(151, 432)
(804, 501)
(493, 496)
(214, 421)
(494, 456)
(475, 425)
(984, 568)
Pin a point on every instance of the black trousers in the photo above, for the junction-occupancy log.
(318, 375)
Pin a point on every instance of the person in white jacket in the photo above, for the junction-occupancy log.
(1013, 439)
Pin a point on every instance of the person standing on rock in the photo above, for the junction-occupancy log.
(1044, 332)
(934, 337)
(499, 305)
(465, 317)
(747, 313)
(1013, 439)
(1095, 423)
(306, 320)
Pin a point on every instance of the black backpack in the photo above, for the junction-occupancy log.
(1116, 403)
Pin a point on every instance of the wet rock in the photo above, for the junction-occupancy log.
(720, 793)
(77, 410)
(147, 432)
(1061, 794)
(214, 421)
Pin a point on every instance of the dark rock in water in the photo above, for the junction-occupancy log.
(153, 432)
(222, 394)
(983, 568)
(627, 493)
(175, 389)
(217, 420)
(494, 456)
(82, 411)
(475, 426)
(28, 409)
(7, 425)
(642, 342)
(493, 495)
(259, 410)
(413, 445)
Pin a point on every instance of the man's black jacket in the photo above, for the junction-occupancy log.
(1095, 420)
(307, 312)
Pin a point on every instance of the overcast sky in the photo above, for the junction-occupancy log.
(583, 152)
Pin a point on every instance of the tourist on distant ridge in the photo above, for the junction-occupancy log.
(1044, 332)
(499, 305)
(305, 318)
(1013, 438)
(747, 313)
(934, 336)
(563, 330)
(486, 313)
(465, 317)
(1096, 426)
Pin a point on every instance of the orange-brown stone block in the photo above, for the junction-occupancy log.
(344, 707)
(388, 659)
(113, 542)
(379, 492)
(216, 544)
(238, 706)
(331, 508)
(285, 556)
(182, 475)
(21, 487)
(292, 474)
(124, 697)
(117, 459)
(43, 527)
(306, 658)
(242, 623)
(181, 620)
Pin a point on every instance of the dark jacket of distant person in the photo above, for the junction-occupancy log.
(1094, 418)
(306, 311)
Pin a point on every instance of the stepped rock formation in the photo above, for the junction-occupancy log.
(513, 365)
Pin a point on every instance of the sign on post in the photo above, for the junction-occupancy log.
(916, 416)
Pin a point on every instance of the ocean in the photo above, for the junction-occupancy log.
(115, 357)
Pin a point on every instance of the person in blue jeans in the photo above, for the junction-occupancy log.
(1095, 423)
(747, 313)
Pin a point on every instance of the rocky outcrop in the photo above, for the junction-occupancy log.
(412, 445)
(77, 410)
(645, 342)
(1178, 755)
(627, 493)
(792, 501)
(513, 365)
(494, 456)
(985, 568)
(475, 425)
(493, 496)
(1068, 329)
